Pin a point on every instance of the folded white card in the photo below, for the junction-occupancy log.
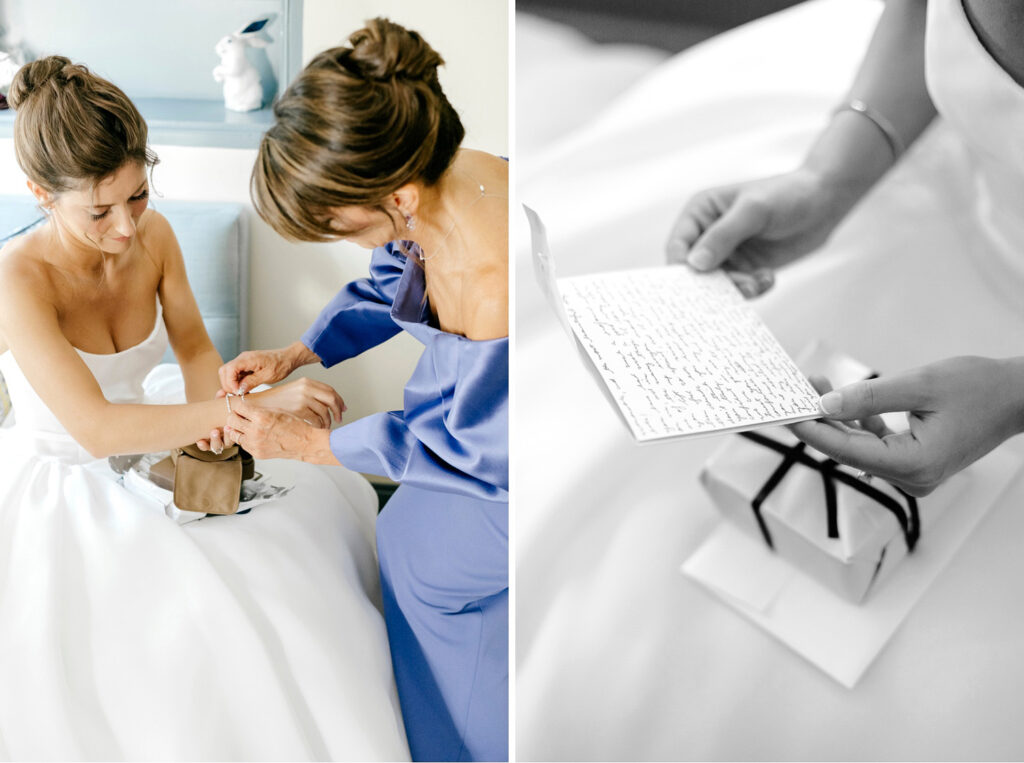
(681, 352)
(839, 637)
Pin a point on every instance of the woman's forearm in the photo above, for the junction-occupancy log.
(317, 448)
(853, 152)
(200, 374)
(300, 355)
(116, 429)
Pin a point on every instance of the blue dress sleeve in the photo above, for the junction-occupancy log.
(455, 442)
(359, 316)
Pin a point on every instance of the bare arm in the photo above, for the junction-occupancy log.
(852, 151)
(754, 228)
(30, 326)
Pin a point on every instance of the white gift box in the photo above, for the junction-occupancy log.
(871, 540)
(794, 518)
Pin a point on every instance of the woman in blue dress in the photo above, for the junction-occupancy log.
(365, 147)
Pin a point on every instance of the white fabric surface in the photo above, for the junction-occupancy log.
(563, 80)
(620, 656)
(125, 636)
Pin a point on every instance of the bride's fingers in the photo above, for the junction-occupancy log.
(316, 415)
(820, 383)
(752, 284)
(876, 425)
(217, 441)
(335, 403)
(323, 415)
(329, 397)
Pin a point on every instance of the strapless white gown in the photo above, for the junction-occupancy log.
(126, 636)
(930, 265)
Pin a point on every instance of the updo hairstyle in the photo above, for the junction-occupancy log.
(73, 127)
(358, 123)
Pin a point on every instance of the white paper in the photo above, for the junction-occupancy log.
(841, 638)
(682, 353)
(544, 268)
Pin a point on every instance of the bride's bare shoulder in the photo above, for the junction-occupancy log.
(26, 285)
(156, 237)
(23, 266)
(154, 226)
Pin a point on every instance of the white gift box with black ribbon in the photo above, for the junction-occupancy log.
(778, 492)
(845, 531)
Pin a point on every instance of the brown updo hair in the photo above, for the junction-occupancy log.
(355, 125)
(72, 126)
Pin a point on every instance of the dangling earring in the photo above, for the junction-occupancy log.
(410, 222)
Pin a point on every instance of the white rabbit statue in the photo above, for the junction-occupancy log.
(243, 90)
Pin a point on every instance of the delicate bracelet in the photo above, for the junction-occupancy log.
(884, 125)
(227, 400)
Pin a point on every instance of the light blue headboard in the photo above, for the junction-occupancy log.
(215, 243)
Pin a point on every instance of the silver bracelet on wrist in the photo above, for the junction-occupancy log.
(227, 399)
(884, 125)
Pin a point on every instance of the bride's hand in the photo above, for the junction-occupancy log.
(309, 400)
(215, 442)
(959, 409)
(752, 228)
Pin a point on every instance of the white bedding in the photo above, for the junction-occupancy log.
(618, 655)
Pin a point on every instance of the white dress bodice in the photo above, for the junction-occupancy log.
(121, 376)
(985, 107)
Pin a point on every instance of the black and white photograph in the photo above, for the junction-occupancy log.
(839, 180)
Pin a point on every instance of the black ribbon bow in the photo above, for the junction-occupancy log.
(796, 454)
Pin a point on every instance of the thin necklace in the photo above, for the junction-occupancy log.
(440, 245)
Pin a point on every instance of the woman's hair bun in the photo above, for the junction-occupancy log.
(384, 50)
(35, 75)
(72, 126)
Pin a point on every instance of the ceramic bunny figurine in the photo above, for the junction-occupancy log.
(243, 90)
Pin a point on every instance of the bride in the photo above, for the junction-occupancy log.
(915, 67)
(123, 634)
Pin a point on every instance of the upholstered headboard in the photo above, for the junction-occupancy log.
(214, 241)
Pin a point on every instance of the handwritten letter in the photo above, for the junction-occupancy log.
(683, 354)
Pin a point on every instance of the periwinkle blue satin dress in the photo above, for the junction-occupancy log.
(442, 538)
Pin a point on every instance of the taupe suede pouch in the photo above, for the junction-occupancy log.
(207, 482)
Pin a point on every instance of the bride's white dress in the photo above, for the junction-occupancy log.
(126, 636)
(618, 654)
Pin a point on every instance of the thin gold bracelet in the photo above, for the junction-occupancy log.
(884, 125)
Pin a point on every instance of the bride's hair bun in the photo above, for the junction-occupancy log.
(385, 50)
(355, 125)
(72, 126)
(34, 76)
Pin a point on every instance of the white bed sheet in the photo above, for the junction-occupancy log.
(563, 80)
(618, 655)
